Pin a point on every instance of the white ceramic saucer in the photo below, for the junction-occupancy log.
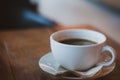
(48, 64)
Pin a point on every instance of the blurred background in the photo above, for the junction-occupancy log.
(20, 14)
(102, 14)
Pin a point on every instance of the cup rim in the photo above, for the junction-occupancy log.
(51, 38)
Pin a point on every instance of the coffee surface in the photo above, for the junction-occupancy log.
(77, 42)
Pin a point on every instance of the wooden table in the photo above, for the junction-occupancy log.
(20, 51)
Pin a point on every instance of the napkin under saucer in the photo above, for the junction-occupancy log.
(48, 64)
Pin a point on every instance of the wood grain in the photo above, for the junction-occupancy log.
(24, 49)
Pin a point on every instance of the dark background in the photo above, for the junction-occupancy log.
(20, 13)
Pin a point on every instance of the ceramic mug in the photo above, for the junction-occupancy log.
(80, 57)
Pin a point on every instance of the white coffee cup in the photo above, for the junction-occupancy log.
(80, 57)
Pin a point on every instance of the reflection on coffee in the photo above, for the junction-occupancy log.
(78, 42)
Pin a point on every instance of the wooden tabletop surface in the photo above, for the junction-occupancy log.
(20, 51)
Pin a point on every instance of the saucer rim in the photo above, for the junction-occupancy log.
(76, 78)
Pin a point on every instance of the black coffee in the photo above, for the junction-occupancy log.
(77, 42)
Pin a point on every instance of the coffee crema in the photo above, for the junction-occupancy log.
(78, 42)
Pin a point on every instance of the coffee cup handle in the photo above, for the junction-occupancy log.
(112, 52)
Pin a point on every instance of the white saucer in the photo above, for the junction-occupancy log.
(48, 64)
